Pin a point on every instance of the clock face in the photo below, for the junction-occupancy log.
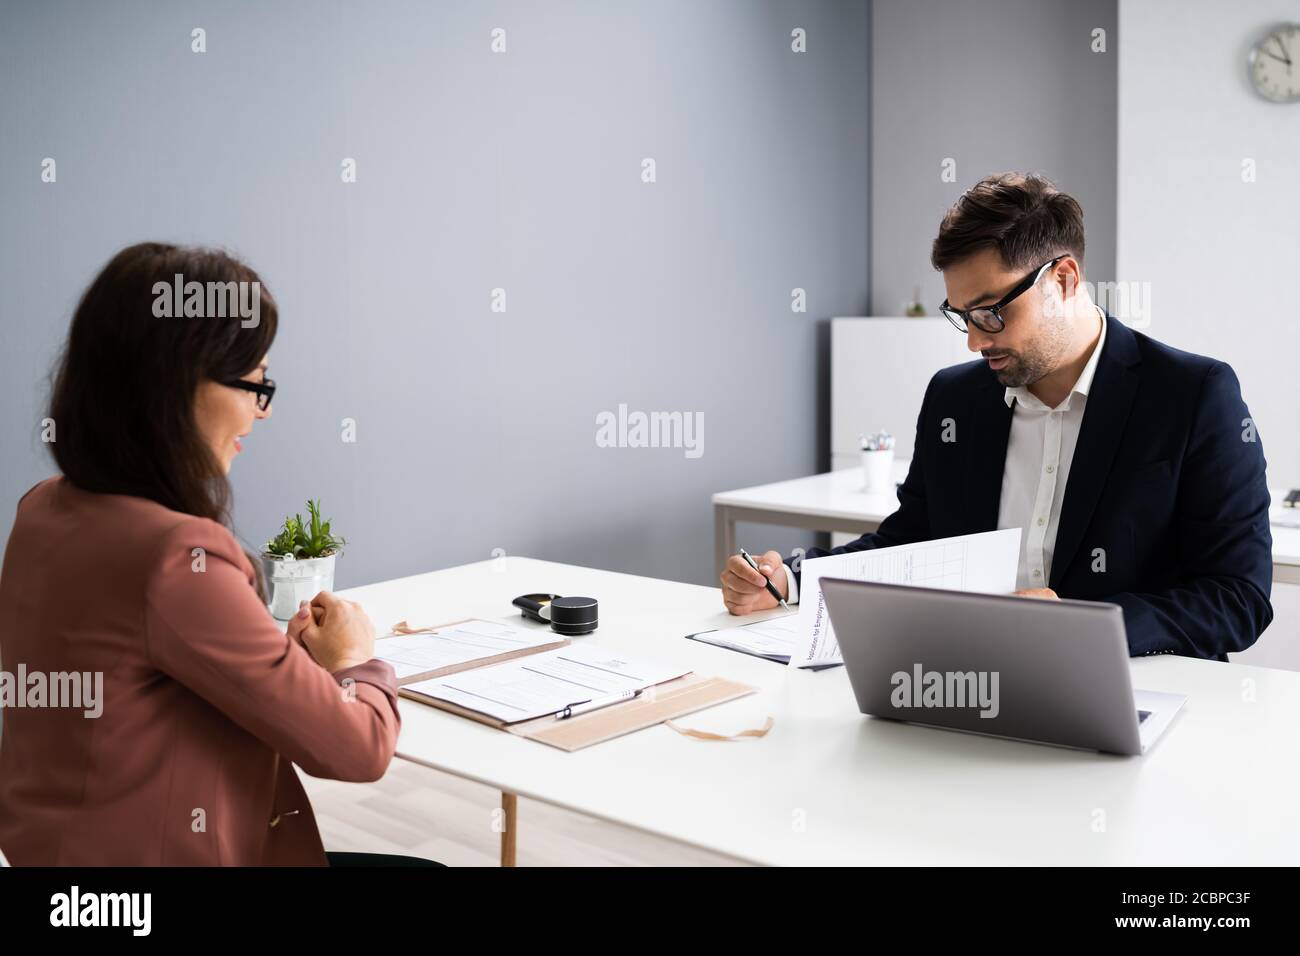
(1275, 65)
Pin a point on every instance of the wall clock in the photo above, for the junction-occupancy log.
(1274, 64)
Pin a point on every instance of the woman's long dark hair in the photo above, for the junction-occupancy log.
(124, 389)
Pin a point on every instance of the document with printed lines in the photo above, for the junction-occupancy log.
(984, 562)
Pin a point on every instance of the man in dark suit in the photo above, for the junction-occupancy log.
(1133, 469)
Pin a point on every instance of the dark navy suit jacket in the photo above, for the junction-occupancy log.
(1167, 478)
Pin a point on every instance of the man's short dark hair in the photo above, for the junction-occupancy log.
(1023, 216)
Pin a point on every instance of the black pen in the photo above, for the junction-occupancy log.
(771, 588)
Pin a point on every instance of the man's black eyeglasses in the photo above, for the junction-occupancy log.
(264, 390)
(988, 318)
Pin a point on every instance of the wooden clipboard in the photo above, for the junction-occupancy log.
(470, 665)
(671, 699)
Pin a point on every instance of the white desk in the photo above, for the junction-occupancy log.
(829, 786)
(835, 501)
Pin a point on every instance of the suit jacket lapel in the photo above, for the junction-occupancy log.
(1110, 399)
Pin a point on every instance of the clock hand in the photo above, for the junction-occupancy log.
(1275, 56)
(1286, 57)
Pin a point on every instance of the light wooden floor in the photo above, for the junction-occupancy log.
(421, 812)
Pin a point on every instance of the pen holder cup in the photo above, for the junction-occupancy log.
(878, 471)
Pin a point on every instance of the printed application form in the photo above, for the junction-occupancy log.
(546, 683)
(774, 639)
(454, 644)
(985, 562)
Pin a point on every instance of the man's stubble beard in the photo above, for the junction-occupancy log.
(1043, 354)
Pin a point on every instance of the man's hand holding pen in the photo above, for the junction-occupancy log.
(744, 589)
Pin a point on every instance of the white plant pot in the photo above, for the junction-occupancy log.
(291, 581)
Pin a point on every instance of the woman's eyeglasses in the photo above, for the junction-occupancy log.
(988, 318)
(263, 389)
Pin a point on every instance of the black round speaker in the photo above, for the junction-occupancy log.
(573, 615)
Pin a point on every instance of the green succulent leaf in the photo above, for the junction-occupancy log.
(311, 539)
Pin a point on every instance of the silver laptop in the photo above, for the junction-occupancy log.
(1054, 672)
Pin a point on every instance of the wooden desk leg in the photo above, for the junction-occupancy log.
(724, 536)
(510, 806)
(1286, 574)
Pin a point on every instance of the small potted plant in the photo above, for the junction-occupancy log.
(299, 561)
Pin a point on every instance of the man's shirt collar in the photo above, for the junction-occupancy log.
(1029, 400)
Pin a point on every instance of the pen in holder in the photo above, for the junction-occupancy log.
(878, 462)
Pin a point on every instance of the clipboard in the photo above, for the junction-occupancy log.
(469, 665)
(671, 699)
(775, 659)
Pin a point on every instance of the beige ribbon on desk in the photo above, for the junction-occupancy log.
(707, 735)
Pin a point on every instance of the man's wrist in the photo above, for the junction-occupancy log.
(791, 586)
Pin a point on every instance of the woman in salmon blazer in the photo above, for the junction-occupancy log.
(125, 566)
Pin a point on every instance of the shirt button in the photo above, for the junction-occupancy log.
(1037, 573)
(1050, 469)
(1042, 521)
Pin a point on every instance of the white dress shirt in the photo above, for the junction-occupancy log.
(1039, 452)
(1040, 449)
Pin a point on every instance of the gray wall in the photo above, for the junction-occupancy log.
(996, 85)
(476, 430)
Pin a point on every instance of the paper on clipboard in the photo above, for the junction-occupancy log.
(985, 562)
(459, 645)
(545, 683)
(772, 639)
